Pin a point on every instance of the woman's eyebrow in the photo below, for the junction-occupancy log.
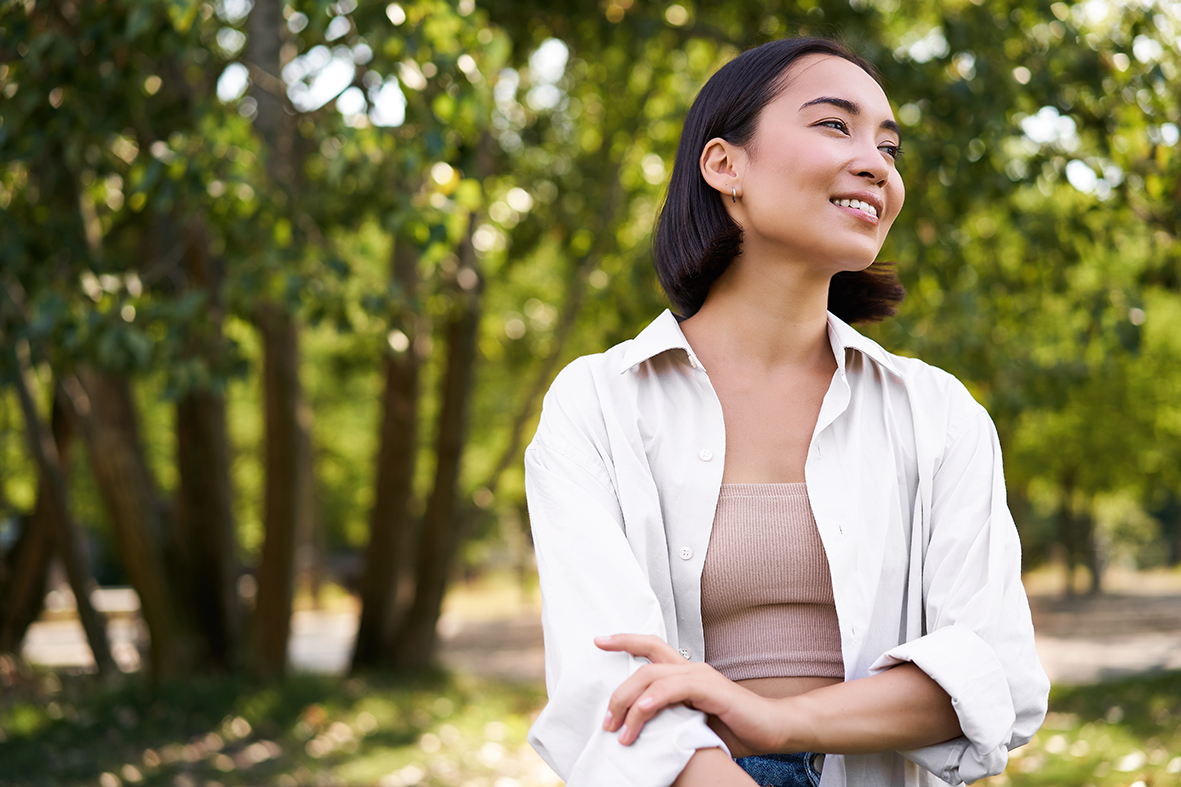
(852, 109)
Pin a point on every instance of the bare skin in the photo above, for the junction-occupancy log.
(900, 708)
(756, 389)
(714, 766)
(762, 336)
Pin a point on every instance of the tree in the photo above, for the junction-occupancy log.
(99, 232)
(404, 218)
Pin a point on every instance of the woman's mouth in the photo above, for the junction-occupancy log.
(856, 204)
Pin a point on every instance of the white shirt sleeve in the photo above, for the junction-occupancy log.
(591, 585)
(979, 644)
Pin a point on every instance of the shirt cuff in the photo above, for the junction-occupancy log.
(967, 668)
(656, 759)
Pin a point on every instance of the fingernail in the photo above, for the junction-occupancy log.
(646, 702)
(623, 735)
(607, 720)
(602, 640)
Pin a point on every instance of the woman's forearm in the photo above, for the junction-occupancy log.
(901, 708)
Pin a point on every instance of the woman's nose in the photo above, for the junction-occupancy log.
(870, 163)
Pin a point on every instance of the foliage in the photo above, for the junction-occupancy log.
(1039, 243)
(1126, 732)
(63, 730)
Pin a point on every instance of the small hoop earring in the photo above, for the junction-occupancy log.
(734, 195)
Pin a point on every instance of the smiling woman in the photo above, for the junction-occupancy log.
(770, 551)
(697, 238)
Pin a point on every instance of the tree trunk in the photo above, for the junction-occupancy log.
(1172, 536)
(307, 530)
(1022, 511)
(106, 410)
(1169, 516)
(1091, 551)
(264, 53)
(66, 539)
(1067, 534)
(204, 521)
(417, 640)
(391, 528)
(285, 443)
(287, 421)
(22, 595)
(205, 525)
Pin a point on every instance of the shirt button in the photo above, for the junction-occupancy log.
(686, 553)
(684, 652)
(705, 455)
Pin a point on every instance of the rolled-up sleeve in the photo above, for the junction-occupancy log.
(979, 645)
(591, 585)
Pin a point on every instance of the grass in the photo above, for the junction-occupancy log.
(64, 730)
(1119, 734)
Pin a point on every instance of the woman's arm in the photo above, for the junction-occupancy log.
(713, 768)
(592, 582)
(901, 708)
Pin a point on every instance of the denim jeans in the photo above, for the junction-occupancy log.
(782, 770)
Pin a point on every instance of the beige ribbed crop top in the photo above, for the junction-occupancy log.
(766, 592)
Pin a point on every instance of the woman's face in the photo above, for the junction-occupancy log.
(819, 182)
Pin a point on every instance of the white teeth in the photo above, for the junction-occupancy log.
(857, 204)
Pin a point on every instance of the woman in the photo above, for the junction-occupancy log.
(805, 535)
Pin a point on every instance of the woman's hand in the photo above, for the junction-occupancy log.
(748, 723)
(900, 708)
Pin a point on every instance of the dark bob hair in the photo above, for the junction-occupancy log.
(695, 238)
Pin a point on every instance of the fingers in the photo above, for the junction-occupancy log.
(621, 704)
(668, 690)
(631, 690)
(668, 680)
(646, 646)
(654, 687)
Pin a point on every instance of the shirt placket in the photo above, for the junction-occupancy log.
(703, 460)
(834, 507)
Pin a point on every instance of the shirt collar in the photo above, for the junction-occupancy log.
(664, 334)
(661, 335)
(845, 337)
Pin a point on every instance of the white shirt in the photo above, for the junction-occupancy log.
(905, 482)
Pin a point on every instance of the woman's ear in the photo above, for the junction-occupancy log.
(722, 166)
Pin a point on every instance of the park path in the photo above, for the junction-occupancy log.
(1093, 639)
(1080, 640)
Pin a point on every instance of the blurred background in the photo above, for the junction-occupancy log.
(283, 283)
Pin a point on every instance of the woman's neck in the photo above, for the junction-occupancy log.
(771, 318)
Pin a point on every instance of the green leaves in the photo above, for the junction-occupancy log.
(1042, 175)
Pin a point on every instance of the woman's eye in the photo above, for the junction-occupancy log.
(893, 151)
(839, 125)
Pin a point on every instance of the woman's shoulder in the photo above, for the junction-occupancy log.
(604, 372)
(575, 404)
(580, 380)
(942, 404)
(600, 388)
(924, 379)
